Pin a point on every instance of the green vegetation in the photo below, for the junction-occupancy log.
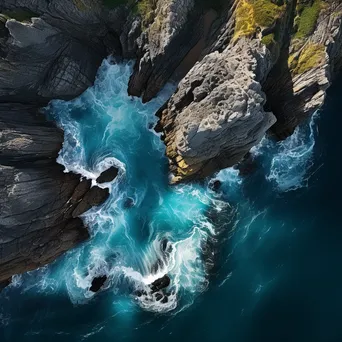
(146, 7)
(312, 56)
(266, 12)
(307, 18)
(20, 15)
(244, 22)
(251, 14)
(268, 40)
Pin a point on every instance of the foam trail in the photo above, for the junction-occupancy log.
(162, 230)
(146, 229)
(288, 161)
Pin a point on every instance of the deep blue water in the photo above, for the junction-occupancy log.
(260, 261)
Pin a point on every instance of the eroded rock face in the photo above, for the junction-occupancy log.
(297, 85)
(217, 114)
(54, 56)
(37, 199)
(172, 41)
(59, 66)
(57, 53)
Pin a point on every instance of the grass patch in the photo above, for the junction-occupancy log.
(312, 56)
(268, 40)
(146, 10)
(20, 15)
(251, 14)
(145, 7)
(266, 12)
(307, 18)
(244, 21)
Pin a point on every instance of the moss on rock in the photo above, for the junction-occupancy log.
(307, 18)
(251, 14)
(268, 40)
(146, 10)
(312, 56)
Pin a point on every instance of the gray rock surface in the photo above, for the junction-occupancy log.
(37, 199)
(177, 33)
(52, 49)
(293, 96)
(217, 114)
(55, 54)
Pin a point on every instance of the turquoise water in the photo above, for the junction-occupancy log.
(254, 262)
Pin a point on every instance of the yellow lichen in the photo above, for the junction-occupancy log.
(251, 14)
(182, 164)
(244, 22)
(312, 56)
(146, 10)
(268, 40)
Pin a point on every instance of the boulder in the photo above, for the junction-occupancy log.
(160, 283)
(108, 176)
(97, 283)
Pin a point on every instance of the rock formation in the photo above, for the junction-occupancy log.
(245, 68)
(54, 56)
(216, 116)
(309, 62)
(289, 52)
(97, 283)
(108, 175)
(173, 38)
(40, 204)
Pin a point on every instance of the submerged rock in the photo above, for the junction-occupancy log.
(129, 203)
(247, 166)
(215, 185)
(160, 283)
(97, 283)
(140, 293)
(108, 176)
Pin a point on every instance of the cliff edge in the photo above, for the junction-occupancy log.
(244, 69)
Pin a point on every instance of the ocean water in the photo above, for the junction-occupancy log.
(259, 260)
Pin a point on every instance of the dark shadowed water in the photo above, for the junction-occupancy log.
(260, 261)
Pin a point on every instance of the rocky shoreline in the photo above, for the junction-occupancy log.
(246, 68)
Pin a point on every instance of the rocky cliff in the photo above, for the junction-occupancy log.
(267, 70)
(245, 68)
(52, 56)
